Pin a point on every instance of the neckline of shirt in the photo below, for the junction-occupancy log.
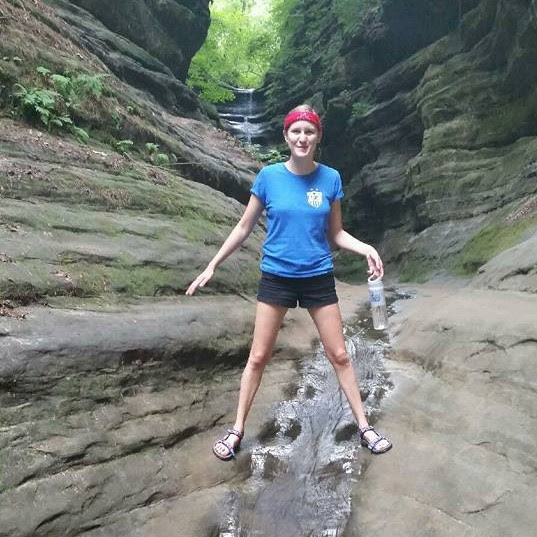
(301, 176)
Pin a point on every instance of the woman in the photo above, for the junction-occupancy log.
(302, 200)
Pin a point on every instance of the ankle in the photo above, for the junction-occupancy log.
(239, 428)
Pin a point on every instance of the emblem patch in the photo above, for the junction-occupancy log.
(315, 198)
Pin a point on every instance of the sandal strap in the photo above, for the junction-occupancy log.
(229, 448)
(373, 444)
(366, 430)
(235, 432)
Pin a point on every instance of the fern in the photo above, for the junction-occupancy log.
(50, 104)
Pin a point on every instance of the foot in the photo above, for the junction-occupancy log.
(376, 443)
(226, 447)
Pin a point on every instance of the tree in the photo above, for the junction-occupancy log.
(238, 51)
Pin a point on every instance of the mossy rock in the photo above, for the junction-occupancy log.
(492, 239)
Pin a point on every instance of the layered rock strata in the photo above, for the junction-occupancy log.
(103, 411)
(148, 44)
(429, 115)
(99, 220)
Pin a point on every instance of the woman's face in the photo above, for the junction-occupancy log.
(302, 138)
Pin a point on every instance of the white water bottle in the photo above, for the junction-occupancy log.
(378, 303)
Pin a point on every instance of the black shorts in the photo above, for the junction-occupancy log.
(309, 292)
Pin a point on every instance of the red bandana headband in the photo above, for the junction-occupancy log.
(302, 115)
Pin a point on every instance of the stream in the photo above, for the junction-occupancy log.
(307, 461)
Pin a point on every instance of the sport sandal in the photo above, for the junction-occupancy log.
(230, 449)
(372, 445)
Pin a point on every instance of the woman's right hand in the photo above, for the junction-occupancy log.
(200, 281)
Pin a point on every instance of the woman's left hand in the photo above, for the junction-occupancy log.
(374, 262)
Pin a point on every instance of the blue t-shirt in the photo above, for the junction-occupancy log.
(298, 210)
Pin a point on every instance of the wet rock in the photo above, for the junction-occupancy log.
(108, 416)
(464, 371)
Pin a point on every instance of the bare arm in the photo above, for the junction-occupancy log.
(237, 236)
(346, 241)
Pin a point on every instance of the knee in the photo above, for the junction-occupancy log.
(339, 358)
(258, 359)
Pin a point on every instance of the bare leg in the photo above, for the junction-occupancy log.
(268, 321)
(327, 319)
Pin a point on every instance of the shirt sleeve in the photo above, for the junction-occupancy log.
(259, 187)
(338, 188)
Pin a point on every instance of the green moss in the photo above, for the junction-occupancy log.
(511, 120)
(489, 241)
(414, 269)
(30, 281)
(203, 231)
(112, 193)
(23, 293)
(91, 280)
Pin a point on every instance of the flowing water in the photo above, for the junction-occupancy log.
(306, 463)
(244, 117)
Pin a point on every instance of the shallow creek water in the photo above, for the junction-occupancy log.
(305, 464)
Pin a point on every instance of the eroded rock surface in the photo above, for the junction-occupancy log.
(513, 269)
(97, 407)
(147, 44)
(461, 417)
(109, 415)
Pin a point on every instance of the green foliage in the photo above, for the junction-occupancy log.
(72, 87)
(280, 13)
(238, 51)
(124, 146)
(271, 156)
(161, 159)
(51, 102)
(85, 85)
(360, 108)
(151, 148)
(155, 156)
(301, 32)
(81, 134)
(151, 152)
(37, 103)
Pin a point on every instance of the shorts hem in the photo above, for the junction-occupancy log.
(319, 303)
(274, 302)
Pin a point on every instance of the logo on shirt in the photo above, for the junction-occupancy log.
(315, 197)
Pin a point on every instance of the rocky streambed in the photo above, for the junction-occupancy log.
(108, 414)
(108, 417)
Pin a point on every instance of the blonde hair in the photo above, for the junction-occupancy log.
(305, 107)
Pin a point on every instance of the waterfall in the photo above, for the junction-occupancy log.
(245, 116)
